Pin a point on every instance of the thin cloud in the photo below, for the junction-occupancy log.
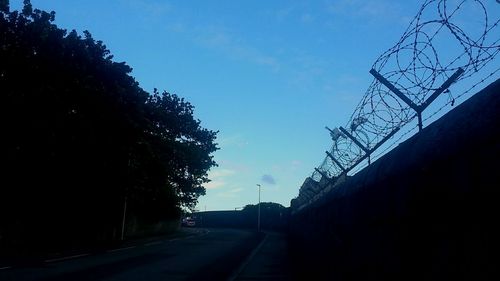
(176, 27)
(303, 69)
(214, 184)
(306, 18)
(308, 70)
(268, 179)
(235, 140)
(232, 193)
(227, 195)
(220, 173)
(234, 166)
(284, 13)
(367, 9)
(220, 39)
(150, 8)
(295, 165)
(218, 178)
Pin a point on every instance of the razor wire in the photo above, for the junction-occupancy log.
(432, 115)
(437, 49)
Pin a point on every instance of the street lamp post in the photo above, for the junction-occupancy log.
(258, 216)
(125, 198)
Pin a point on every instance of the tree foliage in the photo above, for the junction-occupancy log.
(80, 134)
(273, 215)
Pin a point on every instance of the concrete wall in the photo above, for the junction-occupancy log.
(229, 219)
(245, 219)
(427, 210)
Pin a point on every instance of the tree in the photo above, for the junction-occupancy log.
(4, 6)
(273, 215)
(183, 145)
(81, 135)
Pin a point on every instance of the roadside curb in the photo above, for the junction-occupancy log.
(249, 258)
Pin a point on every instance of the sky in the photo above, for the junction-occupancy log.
(268, 75)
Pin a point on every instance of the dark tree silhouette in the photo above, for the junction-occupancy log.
(273, 215)
(80, 136)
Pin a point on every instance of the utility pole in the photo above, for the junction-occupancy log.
(125, 198)
(124, 214)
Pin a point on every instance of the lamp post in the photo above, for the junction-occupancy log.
(125, 197)
(258, 216)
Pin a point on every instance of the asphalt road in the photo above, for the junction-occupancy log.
(212, 254)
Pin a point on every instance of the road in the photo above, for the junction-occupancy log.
(213, 254)
(269, 261)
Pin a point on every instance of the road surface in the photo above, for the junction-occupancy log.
(215, 254)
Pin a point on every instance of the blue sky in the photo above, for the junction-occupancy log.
(269, 75)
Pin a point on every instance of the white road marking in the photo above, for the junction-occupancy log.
(247, 261)
(5, 267)
(67, 258)
(121, 249)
